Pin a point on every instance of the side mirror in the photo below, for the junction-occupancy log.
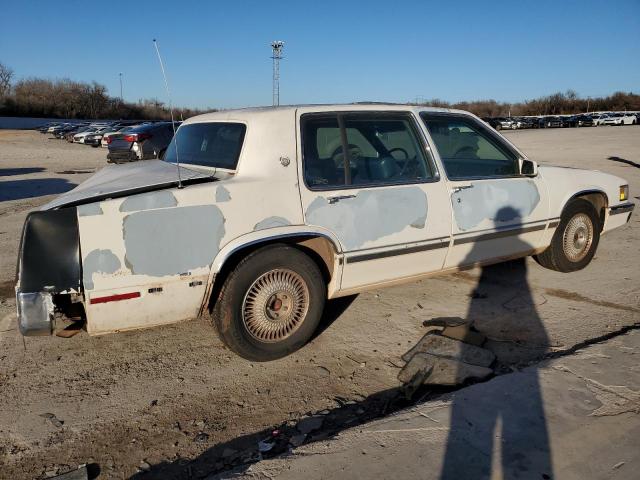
(528, 168)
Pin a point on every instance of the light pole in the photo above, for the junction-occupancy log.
(276, 48)
(120, 75)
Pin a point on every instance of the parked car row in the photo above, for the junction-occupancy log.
(126, 140)
(560, 121)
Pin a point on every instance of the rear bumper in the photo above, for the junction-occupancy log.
(35, 313)
(122, 156)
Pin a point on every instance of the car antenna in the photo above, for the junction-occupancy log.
(173, 124)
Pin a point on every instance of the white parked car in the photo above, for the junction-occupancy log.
(272, 211)
(629, 118)
(613, 119)
(80, 136)
(598, 118)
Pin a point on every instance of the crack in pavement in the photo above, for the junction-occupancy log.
(576, 297)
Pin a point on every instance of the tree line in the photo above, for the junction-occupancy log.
(557, 104)
(65, 98)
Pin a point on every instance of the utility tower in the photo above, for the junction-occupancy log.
(276, 48)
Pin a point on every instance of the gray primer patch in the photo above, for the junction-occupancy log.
(89, 209)
(271, 222)
(98, 261)
(371, 215)
(172, 241)
(495, 200)
(149, 201)
(222, 194)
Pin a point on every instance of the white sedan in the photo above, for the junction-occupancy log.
(272, 211)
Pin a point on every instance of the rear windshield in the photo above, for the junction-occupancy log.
(207, 144)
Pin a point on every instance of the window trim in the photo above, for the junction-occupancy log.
(423, 144)
(493, 134)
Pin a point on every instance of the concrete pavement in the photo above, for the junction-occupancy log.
(573, 417)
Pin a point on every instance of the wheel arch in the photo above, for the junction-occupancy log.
(597, 198)
(320, 246)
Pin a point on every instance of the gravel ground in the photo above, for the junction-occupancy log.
(175, 401)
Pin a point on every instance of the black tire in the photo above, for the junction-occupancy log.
(228, 316)
(498, 127)
(161, 154)
(555, 257)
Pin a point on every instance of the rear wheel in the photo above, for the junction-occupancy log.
(270, 304)
(575, 240)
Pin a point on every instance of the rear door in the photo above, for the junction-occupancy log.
(368, 178)
(497, 212)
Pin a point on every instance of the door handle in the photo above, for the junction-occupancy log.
(337, 198)
(459, 188)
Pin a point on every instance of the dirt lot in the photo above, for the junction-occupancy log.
(175, 400)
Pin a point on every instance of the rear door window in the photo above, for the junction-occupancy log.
(382, 149)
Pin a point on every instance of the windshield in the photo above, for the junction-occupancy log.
(207, 144)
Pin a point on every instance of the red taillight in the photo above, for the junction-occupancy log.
(109, 139)
(136, 137)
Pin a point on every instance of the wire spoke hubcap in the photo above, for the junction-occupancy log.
(275, 305)
(577, 237)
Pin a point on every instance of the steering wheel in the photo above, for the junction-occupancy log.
(354, 153)
(464, 152)
(406, 154)
(406, 160)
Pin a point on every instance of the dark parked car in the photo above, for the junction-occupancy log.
(524, 122)
(584, 121)
(62, 132)
(140, 143)
(571, 121)
(550, 122)
(93, 139)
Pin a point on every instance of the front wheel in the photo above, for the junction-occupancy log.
(575, 240)
(270, 304)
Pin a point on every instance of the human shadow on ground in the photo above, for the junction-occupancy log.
(37, 187)
(503, 293)
(512, 426)
(10, 172)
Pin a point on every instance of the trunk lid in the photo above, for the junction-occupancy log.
(127, 179)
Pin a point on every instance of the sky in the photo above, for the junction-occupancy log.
(217, 53)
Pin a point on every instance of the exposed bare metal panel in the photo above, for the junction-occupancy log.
(98, 261)
(271, 222)
(172, 241)
(222, 194)
(90, 209)
(148, 201)
(371, 214)
(500, 200)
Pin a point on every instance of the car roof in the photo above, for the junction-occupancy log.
(245, 114)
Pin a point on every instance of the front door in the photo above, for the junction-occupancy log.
(368, 178)
(497, 212)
